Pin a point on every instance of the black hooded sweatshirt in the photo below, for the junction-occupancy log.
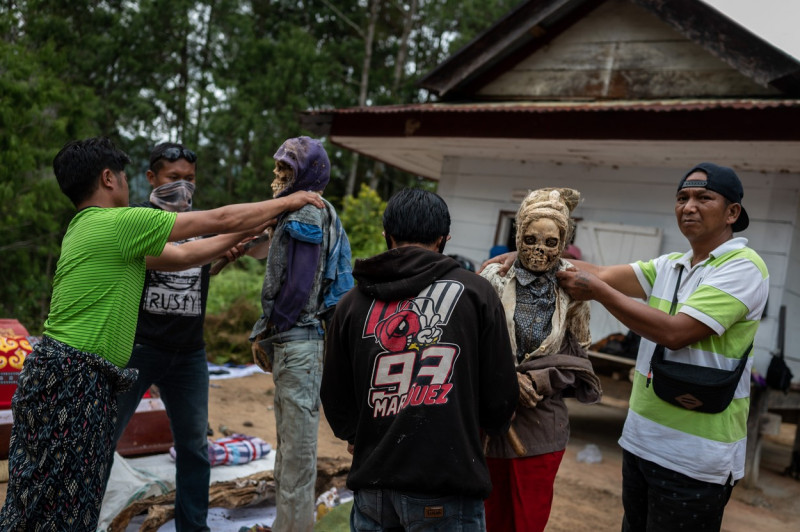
(417, 362)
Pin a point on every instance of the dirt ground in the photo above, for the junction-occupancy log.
(587, 496)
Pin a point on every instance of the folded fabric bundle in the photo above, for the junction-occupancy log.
(234, 449)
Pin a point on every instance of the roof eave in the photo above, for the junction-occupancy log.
(756, 120)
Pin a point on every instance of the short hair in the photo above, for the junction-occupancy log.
(159, 156)
(80, 163)
(416, 216)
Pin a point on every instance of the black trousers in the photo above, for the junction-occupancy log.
(656, 499)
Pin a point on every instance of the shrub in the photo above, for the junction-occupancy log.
(234, 305)
(362, 218)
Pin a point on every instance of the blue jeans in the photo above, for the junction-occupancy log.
(297, 372)
(182, 379)
(392, 510)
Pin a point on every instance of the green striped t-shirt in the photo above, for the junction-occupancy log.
(100, 276)
(727, 292)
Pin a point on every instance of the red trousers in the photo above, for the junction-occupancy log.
(522, 492)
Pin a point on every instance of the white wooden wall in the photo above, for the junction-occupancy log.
(476, 190)
(620, 51)
(791, 298)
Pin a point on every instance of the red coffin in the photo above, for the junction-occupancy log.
(15, 345)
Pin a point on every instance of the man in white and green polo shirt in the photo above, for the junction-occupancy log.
(679, 464)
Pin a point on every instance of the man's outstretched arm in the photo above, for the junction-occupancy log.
(238, 217)
(674, 332)
(197, 252)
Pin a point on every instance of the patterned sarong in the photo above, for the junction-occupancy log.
(65, 409)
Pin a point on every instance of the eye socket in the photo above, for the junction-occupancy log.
(529, 240)
(551, 242)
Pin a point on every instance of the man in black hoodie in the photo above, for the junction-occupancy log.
(418, 362)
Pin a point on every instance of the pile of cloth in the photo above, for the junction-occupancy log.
(235, 449)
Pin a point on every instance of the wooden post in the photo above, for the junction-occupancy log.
(759, 398)
(793, 470)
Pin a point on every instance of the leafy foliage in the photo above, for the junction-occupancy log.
(362, 220)
(229, 78)
(37, 113)
(233, 307)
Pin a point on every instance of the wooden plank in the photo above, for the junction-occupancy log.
(621, 361)
(629, 84)
(616, 54)
(759, 398)
(785, 401)
(728, 40)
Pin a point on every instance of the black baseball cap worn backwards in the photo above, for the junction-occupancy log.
(722, 180)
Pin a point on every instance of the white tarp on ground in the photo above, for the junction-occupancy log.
(232, 372)
(136, 478)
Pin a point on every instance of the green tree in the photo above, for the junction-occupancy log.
(230, 78)
(362, 218)
(233, 307)
(38, 113)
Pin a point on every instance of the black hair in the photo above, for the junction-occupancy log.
(159, 156)
(416, 216)
(80, 163)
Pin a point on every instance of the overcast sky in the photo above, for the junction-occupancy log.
(775, 21)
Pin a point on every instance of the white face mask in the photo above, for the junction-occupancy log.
(284, 175)
(173, 197)
(540, 246)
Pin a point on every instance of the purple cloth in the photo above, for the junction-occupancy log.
(308, 160)
(301, 268)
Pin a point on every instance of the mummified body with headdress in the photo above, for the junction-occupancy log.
(549, 335)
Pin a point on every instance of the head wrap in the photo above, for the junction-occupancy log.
(553, 203)
(309, 162)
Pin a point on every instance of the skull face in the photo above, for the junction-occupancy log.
(541, 247)
(283, 177)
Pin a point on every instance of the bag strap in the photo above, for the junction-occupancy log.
(675, 294)
(658, 351)
(781, 330)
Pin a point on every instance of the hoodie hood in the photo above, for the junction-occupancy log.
(401, 273)
(308, 159)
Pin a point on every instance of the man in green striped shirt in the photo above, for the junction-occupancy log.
(65, 406)
(680, 464)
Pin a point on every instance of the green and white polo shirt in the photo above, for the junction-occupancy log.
(728, 293)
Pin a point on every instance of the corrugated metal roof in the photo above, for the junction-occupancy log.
(664, 106)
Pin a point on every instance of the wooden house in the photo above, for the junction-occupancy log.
(615, 98)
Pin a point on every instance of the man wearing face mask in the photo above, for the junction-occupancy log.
(168, 348)
(549, 335)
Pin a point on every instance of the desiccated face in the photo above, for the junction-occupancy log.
(283, 177)
(540, 248)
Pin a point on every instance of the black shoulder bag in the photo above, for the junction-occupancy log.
(693, 387)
